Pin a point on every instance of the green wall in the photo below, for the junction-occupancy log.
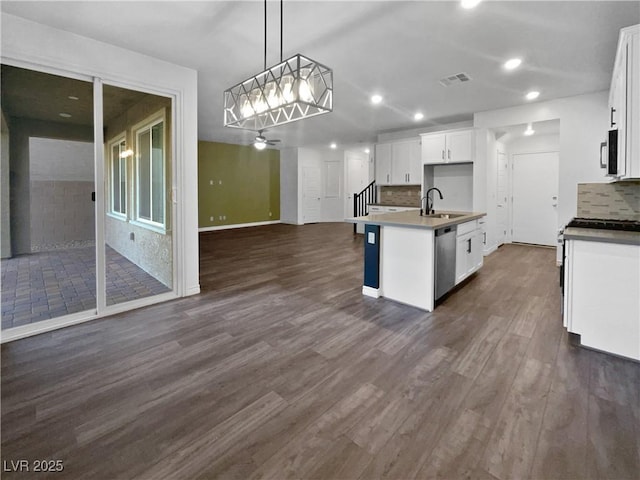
(250, 187)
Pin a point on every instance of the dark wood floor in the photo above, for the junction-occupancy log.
(282, 369)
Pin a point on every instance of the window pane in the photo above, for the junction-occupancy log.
(115, 186)
(144, 172)
(157, 189)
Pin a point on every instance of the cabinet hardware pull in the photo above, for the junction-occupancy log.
(484, 238)
(613, 110)
(602, 164)
(449, 154)
(469, 247)
(443, 154)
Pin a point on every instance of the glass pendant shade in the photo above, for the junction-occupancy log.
(294, 89)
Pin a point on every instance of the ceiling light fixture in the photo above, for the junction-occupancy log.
(529, 131)
(259, 145)
(512, 63)
(366, 150)
(376, 99)
(294, 89)
(333, 145)
(126, 153)
(65, 115)
(532, 95)
(418, 116)
(469, 4)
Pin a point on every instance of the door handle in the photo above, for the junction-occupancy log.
(602, 164)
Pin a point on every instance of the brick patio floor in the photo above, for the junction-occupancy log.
(45, 285)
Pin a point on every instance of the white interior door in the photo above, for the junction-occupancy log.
(357, 178)
(502, 199)
(535, 198)
(311, 194)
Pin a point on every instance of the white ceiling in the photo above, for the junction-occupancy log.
(399, 49)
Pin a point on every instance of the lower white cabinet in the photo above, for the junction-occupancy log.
(601, 285)
(468, 250)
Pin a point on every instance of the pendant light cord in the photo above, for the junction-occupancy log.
(265, 34)
(281, 23)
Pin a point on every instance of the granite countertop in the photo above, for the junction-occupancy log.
(412, 219)
(597, 235)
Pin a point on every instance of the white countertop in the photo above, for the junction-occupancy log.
(412, 219)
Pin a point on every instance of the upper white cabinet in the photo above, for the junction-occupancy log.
(624, 104)
(448, 147)
(399, 163)
(383, 164)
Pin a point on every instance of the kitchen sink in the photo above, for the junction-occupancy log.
(446, 215)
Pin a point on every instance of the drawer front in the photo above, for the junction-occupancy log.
(467, 227)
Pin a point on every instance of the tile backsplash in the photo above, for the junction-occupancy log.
(619, 201)
(401, 195)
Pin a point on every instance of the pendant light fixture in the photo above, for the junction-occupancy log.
(294, 89)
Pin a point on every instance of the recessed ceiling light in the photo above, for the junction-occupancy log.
(532, 95)
(512, 63)
(376, 99)
(333, 145)
(529, 131)
(65, 115)
(418, 116)
(73, 97)
(468, 4)
(366, 150)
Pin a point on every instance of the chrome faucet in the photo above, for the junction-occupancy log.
(429, 207)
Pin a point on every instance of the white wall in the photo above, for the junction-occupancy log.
(289, 187)
(583, 124)
(5, 227)
(533, 144)
(68, 54)
(455, 181)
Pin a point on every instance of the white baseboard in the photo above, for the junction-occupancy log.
(193, 290)
(237, 225)
(490, 250)
(370, 291)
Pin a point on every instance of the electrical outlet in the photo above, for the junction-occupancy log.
(210, 182)
(219, 182)
(220, 217)
(270, 213)
(224, 217)
(211, 219)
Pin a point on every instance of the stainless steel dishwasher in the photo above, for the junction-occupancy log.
(445, 253)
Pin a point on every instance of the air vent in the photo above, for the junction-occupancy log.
(453, 79)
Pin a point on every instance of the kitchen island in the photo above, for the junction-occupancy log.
(401, 260)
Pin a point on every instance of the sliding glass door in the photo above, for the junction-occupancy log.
(48, 205)
(72, 248)
(138, 235)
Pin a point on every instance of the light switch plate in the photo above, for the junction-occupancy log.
(371, 238)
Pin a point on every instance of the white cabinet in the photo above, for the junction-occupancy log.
(383, 164)
(468, 250)
(624, 103)
(399, 163)
(448, 147)
(601, 285)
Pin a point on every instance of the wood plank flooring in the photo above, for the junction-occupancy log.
(282, 369)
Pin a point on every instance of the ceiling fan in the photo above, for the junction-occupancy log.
(261, 141)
